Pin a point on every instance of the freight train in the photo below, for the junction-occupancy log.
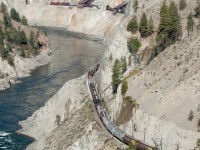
(80, 4)
(112, 128)
(119, 8)
(60, 3)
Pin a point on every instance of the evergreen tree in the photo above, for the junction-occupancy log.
(174, 23)
(3, 52)
(32, 39)
(198, 143)
(7, 21)
(1, 36)
(133, 25)
(190, 23)
(182, 4)
(143, 26)
(197, 10)
(24, 21)
(123, 65)
(164, 22)
(150, 26)
(23, 38)
(14, 15)
(116, 74)
(124, 88)
(4, 9)
(133, 45)
(135, 5)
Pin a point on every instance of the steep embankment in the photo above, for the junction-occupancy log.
(66, 121)
(17, 58)
(166, 90)
(90, 21)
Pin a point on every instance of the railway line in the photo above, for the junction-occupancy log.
(88, 3)
(102, 114)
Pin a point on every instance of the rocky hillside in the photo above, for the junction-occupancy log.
(165, 91)
(91, 21)
(22, 49)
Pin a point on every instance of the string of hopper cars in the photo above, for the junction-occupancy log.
(80, 4)
(112, 128)
(87, 3)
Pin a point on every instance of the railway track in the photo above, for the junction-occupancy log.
(111, 127)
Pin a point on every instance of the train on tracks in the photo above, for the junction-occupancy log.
(119, 8)
(80, 4)
(87, 3)
(112, 128)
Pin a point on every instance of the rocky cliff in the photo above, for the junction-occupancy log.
(166, 90)
(12, 64)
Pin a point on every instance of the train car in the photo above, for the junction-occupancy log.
(55, 3)
(112, 128)
(89, 73)
(96, 67)
(136, 143)
(118, 9)
(82, 3)
(118, 133)
(60, 3)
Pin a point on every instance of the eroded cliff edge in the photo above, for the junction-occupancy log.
(146, 118)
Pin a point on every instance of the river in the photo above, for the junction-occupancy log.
(71, 58)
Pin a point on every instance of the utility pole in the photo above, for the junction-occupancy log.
(161, 143)
(144, 134)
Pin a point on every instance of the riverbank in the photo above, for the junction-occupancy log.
(79, 35)
(23, 58)
(71, 58)
(148, 85)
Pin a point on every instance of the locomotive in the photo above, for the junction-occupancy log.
(60, 3)
(112, 128)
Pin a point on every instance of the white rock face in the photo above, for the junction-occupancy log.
(91, 21)
(22, 67)
(167, 90)
(68, 100)
(77, 129)
(163, 104)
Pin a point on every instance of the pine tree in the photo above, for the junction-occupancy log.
(133, 45)
(143, 26)
(116, 74)
(150, 26)
(23, 38)
(123, 65)
(32, 39)
(24, 21)
(124, 88)
(135, 5)
(190, 23)
(14, 15)
(4, 9)
(7, 21)
(182, 4)
(174, 23)
(164, 22)
(133, 25)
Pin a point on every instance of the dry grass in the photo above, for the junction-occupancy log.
(132, 73)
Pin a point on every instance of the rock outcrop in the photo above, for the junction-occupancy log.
(22, 66)
(166, 90)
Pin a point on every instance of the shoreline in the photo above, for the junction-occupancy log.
(79, 35)
(36, 63)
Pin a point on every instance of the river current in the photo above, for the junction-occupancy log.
(71, 58)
